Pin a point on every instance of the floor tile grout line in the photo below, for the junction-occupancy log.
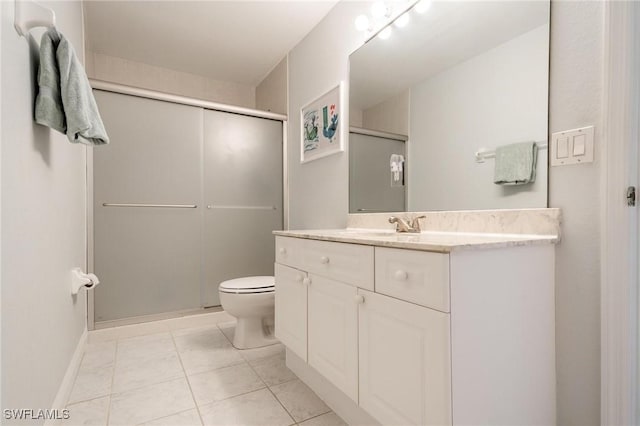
(225, 336)
(272, 393)
(261, 379)
(304, 420)
(93, 398)
(243, 360)
(166, 380)
(164, 417)
(75, 380)
(232, 397)
(319, 415)
(186, 377)
(113, 377)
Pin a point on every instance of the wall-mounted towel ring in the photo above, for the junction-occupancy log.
(29, 14)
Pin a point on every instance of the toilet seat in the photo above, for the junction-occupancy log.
(248, 285)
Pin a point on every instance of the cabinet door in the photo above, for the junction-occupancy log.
(405, 367)
(291, 309)
(333, 332)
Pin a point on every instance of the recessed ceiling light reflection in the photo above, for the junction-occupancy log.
(362, 23)
(385, 34)
(379, 10)
(402, 21)
(423, 6)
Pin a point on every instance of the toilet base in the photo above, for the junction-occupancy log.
(253, 332)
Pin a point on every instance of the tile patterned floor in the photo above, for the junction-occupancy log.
(187, 377)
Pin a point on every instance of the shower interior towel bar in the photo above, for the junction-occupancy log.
(483, 154)
(169, 206)
(29, 14)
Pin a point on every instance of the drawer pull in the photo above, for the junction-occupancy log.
(401, 275)
(359, 299)
(306, 281)
(324, 260)
(283, 251)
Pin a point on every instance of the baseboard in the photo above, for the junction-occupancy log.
(64, 391)
(337, 400)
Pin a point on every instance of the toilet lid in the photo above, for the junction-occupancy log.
(262, 284)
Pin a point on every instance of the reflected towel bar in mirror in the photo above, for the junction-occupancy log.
(483, 154)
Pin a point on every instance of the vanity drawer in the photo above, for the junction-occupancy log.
(415, 276)
(289, 251)
(348, 263)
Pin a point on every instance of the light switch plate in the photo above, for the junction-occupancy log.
(571, 154)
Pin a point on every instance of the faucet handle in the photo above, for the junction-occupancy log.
(415, 222)
(401, 224)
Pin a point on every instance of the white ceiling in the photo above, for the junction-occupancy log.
(447, 34)
(237, 41)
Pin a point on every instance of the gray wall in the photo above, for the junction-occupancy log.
(271, 93)
(319, 198)
(44, 227)
(576, 92)
(138, 74)
(319, 190)
(456, 112)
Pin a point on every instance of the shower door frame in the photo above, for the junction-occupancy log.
(159, 96)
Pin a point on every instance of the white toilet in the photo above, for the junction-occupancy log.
(251, 300)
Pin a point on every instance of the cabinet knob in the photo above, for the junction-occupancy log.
(324, 260)
(306, 281)
(401, 275)
(283, 250)
(359, 299)
(299, 278)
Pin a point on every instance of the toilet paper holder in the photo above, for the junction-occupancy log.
(80, 279)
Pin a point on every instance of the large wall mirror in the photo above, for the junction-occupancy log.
(432, 102)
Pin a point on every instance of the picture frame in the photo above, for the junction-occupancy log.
(322, 125)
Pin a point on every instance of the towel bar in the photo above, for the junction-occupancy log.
(169, 206)
(210, 207)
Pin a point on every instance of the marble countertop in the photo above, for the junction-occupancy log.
(442, 242)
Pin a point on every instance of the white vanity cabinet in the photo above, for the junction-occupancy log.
(333, 332)
(291, 312)
(419, 337)
(322, 326)
(404, 363)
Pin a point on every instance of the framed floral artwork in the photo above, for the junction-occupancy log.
(322, 126)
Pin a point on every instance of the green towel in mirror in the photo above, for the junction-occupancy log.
(515, 164)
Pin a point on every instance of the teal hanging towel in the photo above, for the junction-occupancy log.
(65, 100)
(515, 164)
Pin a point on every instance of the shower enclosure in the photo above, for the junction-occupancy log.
(371, 187)
(184, 198)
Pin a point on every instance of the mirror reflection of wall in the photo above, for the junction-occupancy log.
(460, 78)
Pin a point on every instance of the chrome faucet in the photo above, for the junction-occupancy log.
(403, 226)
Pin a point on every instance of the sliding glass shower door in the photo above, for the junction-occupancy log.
(184, 198)
(147, 256)
(242, 197)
